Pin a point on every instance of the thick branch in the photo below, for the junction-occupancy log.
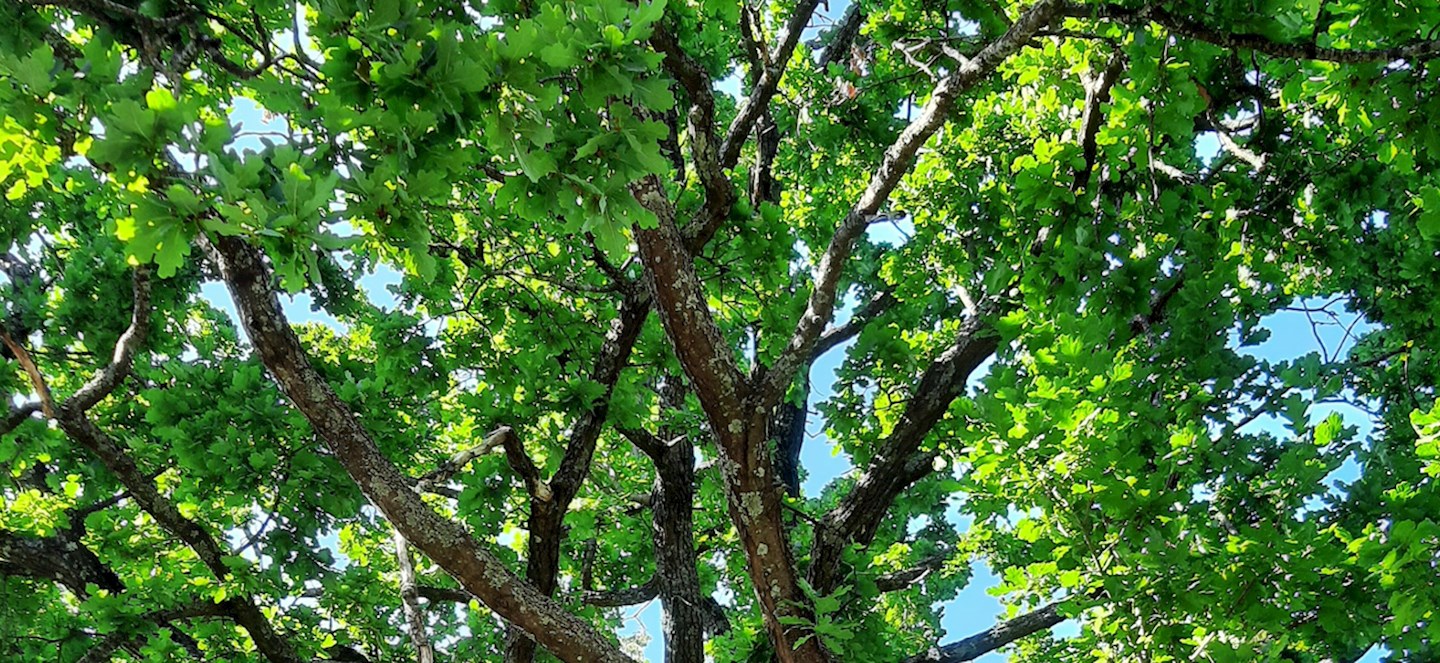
(994, 637)
(1186, 26)
(899, 462)
(899, 157)
(444, 541)
(754, 504)
(681, 302)
(672, 525)
(59, 558)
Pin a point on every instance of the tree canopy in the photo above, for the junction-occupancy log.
(1034, 237)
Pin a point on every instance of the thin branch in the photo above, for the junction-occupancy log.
(645, 441)
(1227, 141)
(1097, 94)
(410, 600)
(617, 598)
(37, 379)
(106, 380)
(879, 304)
(18, 414)
(897, 580)
(447, 470)
(899, 157)
(759, 98)
(103, 650)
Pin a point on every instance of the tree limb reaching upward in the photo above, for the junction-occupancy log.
(898, 159)
(463, 195)
(740, 429)
(72, 418)
(769, 81)
(442, 540)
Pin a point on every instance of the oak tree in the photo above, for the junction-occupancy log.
(370, 330)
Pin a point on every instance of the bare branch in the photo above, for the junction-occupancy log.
(60, 557)
(867, 312)
(452, 465)
(17, 415)
(449, 595)
(520, 462)
(645, 441)
(1227, 141)
(904, 578)
(37, 379)
(618, 598)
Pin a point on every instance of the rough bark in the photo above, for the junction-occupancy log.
(676, 577)
(445, 541)
(740, 428)
(60, 558)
